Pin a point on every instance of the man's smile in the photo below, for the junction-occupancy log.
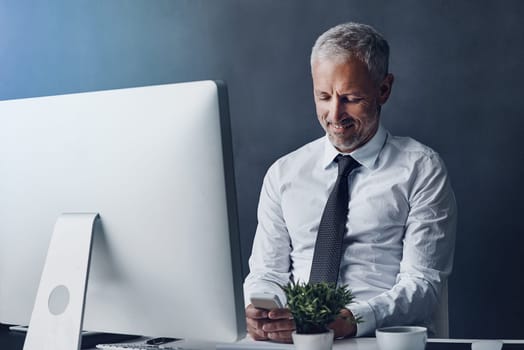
(341, 126)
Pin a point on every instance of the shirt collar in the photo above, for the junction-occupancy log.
(365, 155)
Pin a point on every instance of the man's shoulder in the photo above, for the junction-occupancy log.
(311, 149)
(410, 146)
(410, 153)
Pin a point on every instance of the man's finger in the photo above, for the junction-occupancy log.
(253, 312)
(277, 314)
(278, 326)
(345, 313)
(281, 337)
(257, 334)
(254, 323)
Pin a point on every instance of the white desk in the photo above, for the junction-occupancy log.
(347, 344)
(344, 344)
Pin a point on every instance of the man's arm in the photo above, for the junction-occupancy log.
(427, 259)
(269, 266)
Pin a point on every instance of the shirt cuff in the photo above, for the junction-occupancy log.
(368, 323)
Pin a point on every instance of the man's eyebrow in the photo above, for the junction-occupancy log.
(321, 93)
(353, 92)
(348, 93)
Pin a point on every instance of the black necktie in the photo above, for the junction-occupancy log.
(328, 247)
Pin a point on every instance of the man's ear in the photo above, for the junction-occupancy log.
(384, 89)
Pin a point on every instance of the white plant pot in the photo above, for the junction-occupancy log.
(320, 341)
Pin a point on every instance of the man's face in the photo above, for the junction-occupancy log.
(348, 101)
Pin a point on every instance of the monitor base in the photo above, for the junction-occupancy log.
(58, 312)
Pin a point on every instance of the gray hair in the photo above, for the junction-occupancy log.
(354, 40)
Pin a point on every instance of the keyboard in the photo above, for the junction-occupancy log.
(149, 344)
(133, 346)
(139, 346)
(172, 344)
(230, 346)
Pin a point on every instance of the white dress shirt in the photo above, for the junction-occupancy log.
(398, 249)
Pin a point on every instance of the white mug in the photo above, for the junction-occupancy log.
(401, 338)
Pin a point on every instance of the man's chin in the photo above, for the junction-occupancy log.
(343, 146)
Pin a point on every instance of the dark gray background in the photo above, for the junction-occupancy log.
(459, 87)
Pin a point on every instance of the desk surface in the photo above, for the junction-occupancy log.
(370, 344)
(15, 341)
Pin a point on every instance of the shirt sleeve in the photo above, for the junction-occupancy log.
(427, 259)
(269, 263)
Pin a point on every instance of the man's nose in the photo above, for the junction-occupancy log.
(336, 111)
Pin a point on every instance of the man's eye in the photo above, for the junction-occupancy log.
(323, 97)
(351, 100)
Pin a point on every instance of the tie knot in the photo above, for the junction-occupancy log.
(346, 164)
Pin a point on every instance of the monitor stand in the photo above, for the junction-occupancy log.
(58, 312)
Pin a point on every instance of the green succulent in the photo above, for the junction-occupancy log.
(315, 305)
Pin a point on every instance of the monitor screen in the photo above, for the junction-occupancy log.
(156, 164)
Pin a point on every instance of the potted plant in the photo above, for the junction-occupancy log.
(314, 306)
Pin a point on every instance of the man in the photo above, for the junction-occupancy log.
(397, 250)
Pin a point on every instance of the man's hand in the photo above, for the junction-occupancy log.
(275, 324)
(344, 326)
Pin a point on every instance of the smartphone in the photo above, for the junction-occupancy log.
(265, 301)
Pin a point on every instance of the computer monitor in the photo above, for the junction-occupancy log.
(156, 164)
